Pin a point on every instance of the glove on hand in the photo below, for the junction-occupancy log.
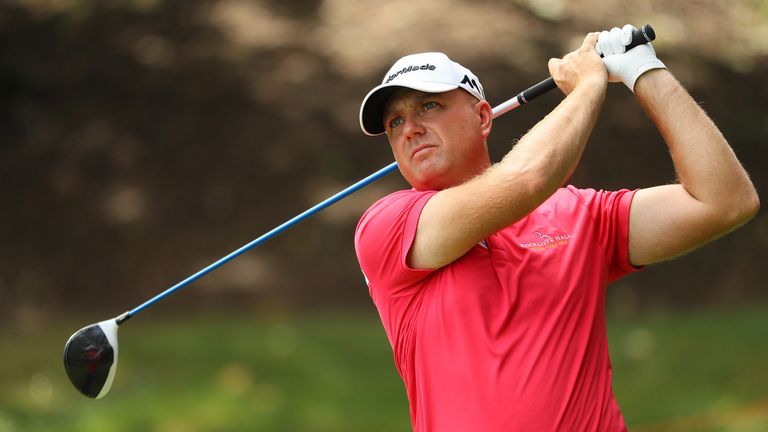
(625, 66)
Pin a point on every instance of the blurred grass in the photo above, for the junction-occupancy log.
(683, 371)
(701, 371)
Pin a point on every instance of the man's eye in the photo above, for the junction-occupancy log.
(395, 122)
(429, 105)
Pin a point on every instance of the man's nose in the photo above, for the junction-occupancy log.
(413, 127)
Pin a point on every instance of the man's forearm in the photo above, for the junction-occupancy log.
(551, 150)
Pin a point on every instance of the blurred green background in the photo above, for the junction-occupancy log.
(141, 140)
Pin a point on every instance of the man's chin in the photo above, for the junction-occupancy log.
(430, 185)
(430, 177)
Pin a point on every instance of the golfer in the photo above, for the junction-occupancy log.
(490, 279)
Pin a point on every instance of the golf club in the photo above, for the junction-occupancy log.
(90, 354)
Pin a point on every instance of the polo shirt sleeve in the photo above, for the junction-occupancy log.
(610, 213)
(383, 238)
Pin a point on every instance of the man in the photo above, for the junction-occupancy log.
(490, 279)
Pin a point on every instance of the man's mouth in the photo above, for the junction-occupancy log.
(419, 148)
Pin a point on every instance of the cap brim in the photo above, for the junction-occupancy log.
(372, 109)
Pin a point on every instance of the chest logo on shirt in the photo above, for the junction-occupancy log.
(546, 241)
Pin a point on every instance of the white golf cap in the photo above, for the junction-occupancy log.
(431, 72)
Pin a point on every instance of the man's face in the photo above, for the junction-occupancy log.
(438, 139)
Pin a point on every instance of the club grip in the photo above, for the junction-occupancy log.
(536, 90)
(640, 36)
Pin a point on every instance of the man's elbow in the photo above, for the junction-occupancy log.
(752, 205)
(744, 208)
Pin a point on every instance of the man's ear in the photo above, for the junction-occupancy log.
(484, 110)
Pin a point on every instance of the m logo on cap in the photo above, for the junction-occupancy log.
(471, 82)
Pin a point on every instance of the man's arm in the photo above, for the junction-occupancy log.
(457, 218)
(714, 195)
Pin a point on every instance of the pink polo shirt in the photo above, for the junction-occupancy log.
(511, 336)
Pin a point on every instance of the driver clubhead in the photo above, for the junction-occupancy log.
(90, 358)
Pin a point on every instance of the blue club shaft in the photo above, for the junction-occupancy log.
(268, 235)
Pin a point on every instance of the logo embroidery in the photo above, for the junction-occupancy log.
(410, 69)
(547, 241)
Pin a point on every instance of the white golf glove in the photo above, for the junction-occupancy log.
(625, 66)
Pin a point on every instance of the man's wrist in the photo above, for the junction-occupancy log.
(652, 81)
(596, 85)
(644, 68)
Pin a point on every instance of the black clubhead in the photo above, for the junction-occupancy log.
(90, 358)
